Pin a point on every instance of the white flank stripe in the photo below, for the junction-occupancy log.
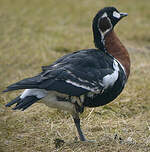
(110, 79)
(39, 93)
(121, 67)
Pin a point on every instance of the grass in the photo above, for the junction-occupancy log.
(35, 33)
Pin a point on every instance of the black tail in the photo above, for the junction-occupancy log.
(22, 104)
(29, 83)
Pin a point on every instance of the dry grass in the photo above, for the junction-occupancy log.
(35, 33)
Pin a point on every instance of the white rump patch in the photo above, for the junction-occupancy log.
(39, 93)
(116, 14)
(110, 79)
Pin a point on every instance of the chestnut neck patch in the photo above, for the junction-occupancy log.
(104, 24)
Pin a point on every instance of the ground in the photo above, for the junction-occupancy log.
(35, 33)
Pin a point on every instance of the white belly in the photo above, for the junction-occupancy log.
(51, 101)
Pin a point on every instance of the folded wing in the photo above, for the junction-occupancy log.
(75, 74)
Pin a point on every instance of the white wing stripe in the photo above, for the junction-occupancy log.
(83, 86)
(74, 76)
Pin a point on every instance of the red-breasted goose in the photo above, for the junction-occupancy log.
(85, 78)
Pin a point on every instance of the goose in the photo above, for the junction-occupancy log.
(84, 78)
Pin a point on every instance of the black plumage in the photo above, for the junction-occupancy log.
(85, 68)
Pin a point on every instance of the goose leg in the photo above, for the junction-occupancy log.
(77, 124)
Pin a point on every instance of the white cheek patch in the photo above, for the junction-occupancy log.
(116, 14)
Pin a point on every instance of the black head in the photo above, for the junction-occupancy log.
(103, 22)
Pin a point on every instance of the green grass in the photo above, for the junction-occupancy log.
(35, 33)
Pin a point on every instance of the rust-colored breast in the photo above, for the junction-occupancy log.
(117, 49)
